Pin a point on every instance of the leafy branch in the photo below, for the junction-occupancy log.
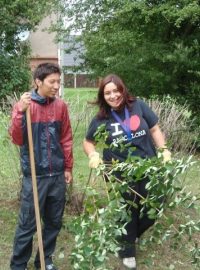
(98, 228)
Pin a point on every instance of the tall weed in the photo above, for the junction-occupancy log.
(177, 123)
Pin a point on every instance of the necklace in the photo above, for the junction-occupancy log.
(126, 125)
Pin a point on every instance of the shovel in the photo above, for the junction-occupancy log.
(35, 191)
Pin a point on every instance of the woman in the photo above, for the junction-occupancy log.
(130, 120)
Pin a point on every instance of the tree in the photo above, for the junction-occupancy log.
(152, 44)
(17, 16)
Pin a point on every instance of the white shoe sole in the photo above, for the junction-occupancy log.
(123, 267)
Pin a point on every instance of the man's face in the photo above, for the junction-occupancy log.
(49, 86)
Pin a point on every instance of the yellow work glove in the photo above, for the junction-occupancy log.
(94, 160)
(166, 155)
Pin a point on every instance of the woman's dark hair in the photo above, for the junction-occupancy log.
(104, 108)
(45, 69)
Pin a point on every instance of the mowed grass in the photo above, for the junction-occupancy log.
(156, 257)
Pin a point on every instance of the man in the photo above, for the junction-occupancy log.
(52, 139)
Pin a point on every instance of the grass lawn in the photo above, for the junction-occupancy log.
(156, 257)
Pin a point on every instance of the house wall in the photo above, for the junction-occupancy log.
(43, 46)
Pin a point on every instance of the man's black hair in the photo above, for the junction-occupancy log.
(45, 69)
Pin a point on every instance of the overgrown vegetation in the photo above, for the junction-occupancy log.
(177, 123)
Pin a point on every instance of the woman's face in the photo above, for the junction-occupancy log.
(112, 95)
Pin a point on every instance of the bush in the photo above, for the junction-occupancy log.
(15, 73)
(177, 124)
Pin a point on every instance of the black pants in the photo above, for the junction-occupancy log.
(51, 195)
(137, 226)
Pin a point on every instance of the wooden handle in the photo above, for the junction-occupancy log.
(35, 190)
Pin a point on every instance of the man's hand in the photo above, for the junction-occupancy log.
(95, 160)
(25, 101)
(68, 177)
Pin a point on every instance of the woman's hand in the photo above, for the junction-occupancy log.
(94, 160)
(166, 155)
(94, 157)
(159, 140)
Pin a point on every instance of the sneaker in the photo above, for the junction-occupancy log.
(49, 267)
(130, 263)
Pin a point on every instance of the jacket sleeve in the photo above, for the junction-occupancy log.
(17, 125)
(66, 139)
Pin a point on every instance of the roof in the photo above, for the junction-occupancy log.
(72, 52)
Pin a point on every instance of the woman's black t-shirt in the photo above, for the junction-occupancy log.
(142, 118)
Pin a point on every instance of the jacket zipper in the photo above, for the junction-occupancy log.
(48, 139)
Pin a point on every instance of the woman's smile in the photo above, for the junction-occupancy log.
(112, 95)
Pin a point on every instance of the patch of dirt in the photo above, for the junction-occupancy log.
(74, 205)
(10, 204)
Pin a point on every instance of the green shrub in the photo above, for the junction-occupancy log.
(15, 73)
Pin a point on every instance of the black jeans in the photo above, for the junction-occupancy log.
(137, 226)
(51, 195)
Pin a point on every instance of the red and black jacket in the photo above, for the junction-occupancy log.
(52, 136)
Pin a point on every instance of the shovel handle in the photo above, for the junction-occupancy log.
(35, 190)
